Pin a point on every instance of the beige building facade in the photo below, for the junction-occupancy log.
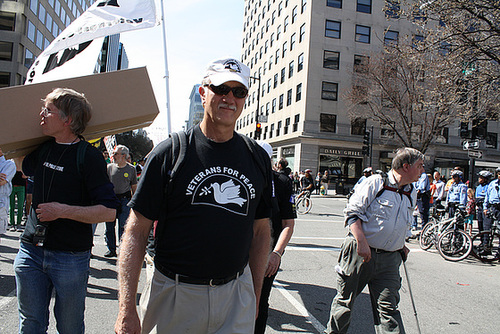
(303, 56)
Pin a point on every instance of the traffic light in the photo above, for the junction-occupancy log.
(258, 130)
(366, 143)
(464, 130)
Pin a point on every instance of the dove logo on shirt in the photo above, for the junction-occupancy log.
(230, 191)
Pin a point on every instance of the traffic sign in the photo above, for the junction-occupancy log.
(476, 154)
(468, 145)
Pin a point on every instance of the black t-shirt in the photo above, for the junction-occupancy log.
(285, 203)
(306, 181)
(18, 179)
(207, 229)
(57, 179)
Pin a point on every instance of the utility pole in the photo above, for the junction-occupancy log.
(258, 125)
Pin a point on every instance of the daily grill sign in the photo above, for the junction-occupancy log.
(103, 18)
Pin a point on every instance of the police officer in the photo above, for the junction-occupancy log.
(491, 207)
(484, 178)
(457, 195)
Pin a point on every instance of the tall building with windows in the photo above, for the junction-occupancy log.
(304, 56)
(26, 28)
(195, 107)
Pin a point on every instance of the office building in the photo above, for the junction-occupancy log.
(304, 56)
(195, 107)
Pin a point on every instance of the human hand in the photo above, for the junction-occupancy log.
(273, 264)
(364, 250)
(1, 152)
(127, 323)
(50, 211)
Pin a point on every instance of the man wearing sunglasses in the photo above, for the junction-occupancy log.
(213, 234)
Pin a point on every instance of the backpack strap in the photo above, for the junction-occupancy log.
(178, 155)
(253, 147)
(396, 190)
(80, 155)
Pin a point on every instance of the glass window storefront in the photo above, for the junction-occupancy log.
(344, 167)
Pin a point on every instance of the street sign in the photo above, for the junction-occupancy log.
(262, 118)
(468, 145)
(476, 154)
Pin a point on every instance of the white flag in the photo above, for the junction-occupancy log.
(103, 18)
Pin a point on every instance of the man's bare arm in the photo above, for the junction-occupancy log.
(283, 239)
(363, 248)
(132, 250)
(259, 252)
(85, 214)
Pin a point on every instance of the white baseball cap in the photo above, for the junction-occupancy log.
(267, 147)
(229, 69)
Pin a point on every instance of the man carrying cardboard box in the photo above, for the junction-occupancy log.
(71, 192)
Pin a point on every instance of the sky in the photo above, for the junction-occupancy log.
(198, 31)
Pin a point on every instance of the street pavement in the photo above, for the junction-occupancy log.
(450, 297)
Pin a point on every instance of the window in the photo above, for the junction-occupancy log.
(331, 60)
(327, 123)
(48, 23)
(362, 34)
(269, 85)
(300, 63)
(275, 83)
(39, 39)
(287, 125)
(283, 71)
(386, 130)
(392, 9)
(41, 14)
(263, 89)
(267, 108)
(292, 42)
(334, 3)
(273, 107)
(29, 58)
(285, 24)
(332, 29)
(361, 63)
(443, 135)
(290, 69)
(280, 8)
(278, 33)
(304, 5)
(491, 139)
(285, 48)
(280, 104)
(294, 14)
(273, 17)
(278, 128)
(34, 6)
(391, 38)
(6, 51)
(302, 32)
(329, 91)
(31, 31)
(277, 56)
(298, 93)
(364, 6)
(272, 40)
(4, 79)
(7, 21)
(296, 122)
(358, 126)
(271, 132)
(289, 97)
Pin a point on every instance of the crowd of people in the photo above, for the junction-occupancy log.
(213, 215)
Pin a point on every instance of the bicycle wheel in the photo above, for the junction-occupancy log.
(454, 245)
(428, 236)
(486, 252)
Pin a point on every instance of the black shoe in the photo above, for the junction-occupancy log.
(110, 254)
(484, 252)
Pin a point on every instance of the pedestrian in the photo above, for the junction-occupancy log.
(325, 181)
(213, 236)
(18, 191)
(71, 192)
(375, 245)
(7, 172)
(491, 210)
(423, 198)
(124, 178)
(484, 179)
(296, 183)
(283, 222)
(457, 194)
(438, 194)
(317, 183)
(470, 209)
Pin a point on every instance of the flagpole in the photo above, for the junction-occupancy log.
(169, 127)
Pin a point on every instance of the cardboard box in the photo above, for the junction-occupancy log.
(121, 101)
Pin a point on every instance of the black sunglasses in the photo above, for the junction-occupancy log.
(238, 92)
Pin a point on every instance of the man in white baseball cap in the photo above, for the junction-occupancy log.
(213, 234)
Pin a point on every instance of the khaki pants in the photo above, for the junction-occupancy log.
(381, 274)
(169, 306)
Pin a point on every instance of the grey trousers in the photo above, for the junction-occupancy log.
(381, 274)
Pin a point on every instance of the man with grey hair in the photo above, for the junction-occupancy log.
(378, 215)
(124, 178)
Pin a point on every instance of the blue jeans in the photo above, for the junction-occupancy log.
(38, 272)
(110, 226)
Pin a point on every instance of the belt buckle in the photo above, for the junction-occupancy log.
(211, 283)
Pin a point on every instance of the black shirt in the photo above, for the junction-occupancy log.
(284, 207)
(205, 226)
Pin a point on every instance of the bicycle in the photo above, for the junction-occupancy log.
(304, 202)
(485, 242)
(434, 228)
(455, 244)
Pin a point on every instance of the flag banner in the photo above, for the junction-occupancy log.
(103, 18)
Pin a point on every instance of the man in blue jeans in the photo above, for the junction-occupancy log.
(124, 178)
(71, 192)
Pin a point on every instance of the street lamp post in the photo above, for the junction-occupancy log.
(257, 127)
